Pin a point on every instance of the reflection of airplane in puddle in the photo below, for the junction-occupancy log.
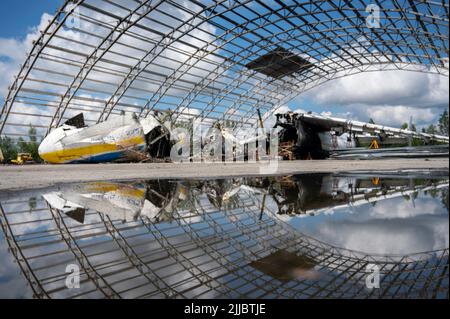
(303, 195)
(309, 195)
(215, 240)
(221, 193)
(154, 200)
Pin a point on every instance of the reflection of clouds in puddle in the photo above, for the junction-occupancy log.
(400, 208)
(12, 284)
(28, 219)
(397, 237)
(103, 256)
(388, 227)
(391, 227)
(395, 226)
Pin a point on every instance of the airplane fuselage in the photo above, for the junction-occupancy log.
(120, 139)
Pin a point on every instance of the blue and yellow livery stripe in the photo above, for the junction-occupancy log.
(93, 153)
(121, 189)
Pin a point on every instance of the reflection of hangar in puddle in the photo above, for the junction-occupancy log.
(118, 201)
(212, 242)
(312, 194)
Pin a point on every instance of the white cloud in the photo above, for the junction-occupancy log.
(13, 52)
(389, 97)
(361, 96)
(394, 115)
(385, 88)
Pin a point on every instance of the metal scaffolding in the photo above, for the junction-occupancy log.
(207, 248)
(212, 60)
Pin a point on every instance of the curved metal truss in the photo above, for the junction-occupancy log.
(241, 249)
(212, 59)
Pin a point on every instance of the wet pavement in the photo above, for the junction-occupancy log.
(37, 176)
(341, 235)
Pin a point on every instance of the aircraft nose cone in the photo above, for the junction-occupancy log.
(47, 150)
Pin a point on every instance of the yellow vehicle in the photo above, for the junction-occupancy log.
(23, 158)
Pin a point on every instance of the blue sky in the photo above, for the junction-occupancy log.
(390, 99)
(17, 19)
(18, 16)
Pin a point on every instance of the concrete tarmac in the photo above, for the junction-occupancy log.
(37, 176)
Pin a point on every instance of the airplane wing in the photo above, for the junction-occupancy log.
(340, 125)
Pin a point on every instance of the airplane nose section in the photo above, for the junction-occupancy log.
(44, 148)
(47, 150)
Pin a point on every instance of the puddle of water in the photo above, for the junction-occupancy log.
(307, 236)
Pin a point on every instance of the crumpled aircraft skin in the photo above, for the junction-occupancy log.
(117, 139)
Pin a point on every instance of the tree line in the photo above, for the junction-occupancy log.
(11, 148)
(440, 128)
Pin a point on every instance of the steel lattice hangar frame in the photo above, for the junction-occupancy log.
(212, 60)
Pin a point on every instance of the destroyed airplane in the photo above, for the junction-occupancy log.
(312, 136)
(154, 200)
(120, 139)
(314, 194)
(127, 138)
(304, 195)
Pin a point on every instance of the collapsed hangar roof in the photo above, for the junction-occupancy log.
(212, 59)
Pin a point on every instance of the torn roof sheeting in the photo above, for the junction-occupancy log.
(279, 63)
